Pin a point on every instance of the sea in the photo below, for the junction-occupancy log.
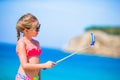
(78, 67)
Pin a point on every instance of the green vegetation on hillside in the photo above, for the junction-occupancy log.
(108, 29)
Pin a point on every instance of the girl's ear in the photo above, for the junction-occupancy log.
(25, 30)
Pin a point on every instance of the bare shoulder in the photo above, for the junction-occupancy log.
(20, 44)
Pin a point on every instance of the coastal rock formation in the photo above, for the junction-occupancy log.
(106, 44)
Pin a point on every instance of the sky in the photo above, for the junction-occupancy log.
(60, 20)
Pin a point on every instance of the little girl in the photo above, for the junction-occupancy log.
(28, 49)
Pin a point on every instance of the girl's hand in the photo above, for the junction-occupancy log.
(49, 64)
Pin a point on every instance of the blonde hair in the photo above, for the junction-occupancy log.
(25, 22)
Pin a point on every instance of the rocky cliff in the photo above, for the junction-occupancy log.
(106, 44)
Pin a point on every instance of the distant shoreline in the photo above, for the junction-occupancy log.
(108, 29)
(106, 44)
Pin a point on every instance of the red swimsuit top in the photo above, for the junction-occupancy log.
(33, 52)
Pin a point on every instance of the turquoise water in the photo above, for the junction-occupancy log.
(78, 67)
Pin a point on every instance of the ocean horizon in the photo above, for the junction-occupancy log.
(78, 67)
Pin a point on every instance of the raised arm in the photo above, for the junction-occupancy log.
(21, 50)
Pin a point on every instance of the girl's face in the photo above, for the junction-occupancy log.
(33, 31)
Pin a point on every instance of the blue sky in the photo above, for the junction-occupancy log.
(60, 20)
